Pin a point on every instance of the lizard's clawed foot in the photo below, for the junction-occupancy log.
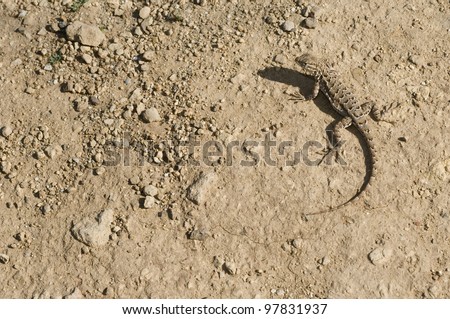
(297, 97)
(332, 152)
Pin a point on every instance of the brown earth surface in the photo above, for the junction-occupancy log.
(133, 162)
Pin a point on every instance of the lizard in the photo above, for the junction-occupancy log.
(345, 103)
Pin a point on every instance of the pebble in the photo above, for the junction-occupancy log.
(380, 255)
(281, 59)
(149, 202)
(144, 12)
(93, 100)
(297, 243)
(230, 268)
(53, 151)
(48, 67)
(85, 34)
(148, 55)
(30, 90)
(80, 105)
(198, 234)
(94, 231)
(150, 190)
(416, 60)
(134, 180)
(4, 259)
(151, 115)
(100, 171)
(146, 24)
(75, 294)
(86, 58)
(288, 26)
(6, 131)
(5, 167)
(310, 23)
(197, 192)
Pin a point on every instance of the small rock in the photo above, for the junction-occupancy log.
(75, 294)
(134, 180)
(146, 24)
(148, 55)
(144, 12)
(93, 100)
(230, 268)
(6, 131)
(94, 231)
(199, 2)
(380, 255)
(310, 23)
(151, 115)
(288, 26)
(46, 209)
(53, 151)
(149, 202)
(198, 234)
(297, 243)
(5, 167)
(80, 105)
(16, 62)
(198, 190)
(281, 59)
(150, 190)
(86, 58)
(416, 60)
(4, 259)
(85, 34)
(324, 261)
(48, 67)
(30, 90)
(100, 171)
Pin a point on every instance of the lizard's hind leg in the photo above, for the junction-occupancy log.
(336, 142)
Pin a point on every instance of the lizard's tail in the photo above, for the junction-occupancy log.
(371, 173)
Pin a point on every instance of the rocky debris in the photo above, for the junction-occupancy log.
(85, 34)
(100, 170)
(150, 190)
(148, 55)
(151, 115)
(144, 12)
(310, 23)
(197, 192)
(94, 231)
(53, 151)
(149, 202)
(198, 234)
(380, 255)
(86, 58)
(297, 243)
(288, 26)
(6, 131)
(230, 268)
(75, 294)
(281, 59)
(5, 167)
(4, 259)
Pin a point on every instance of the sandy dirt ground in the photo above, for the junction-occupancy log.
(133, 150)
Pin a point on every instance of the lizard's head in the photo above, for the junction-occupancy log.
(309, 64)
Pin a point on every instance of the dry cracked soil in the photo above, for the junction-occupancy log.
(156, 149)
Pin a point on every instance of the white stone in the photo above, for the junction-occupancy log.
(151, 115)
(94, 231)
(85, 34)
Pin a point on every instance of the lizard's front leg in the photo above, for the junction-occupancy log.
(312, 96)
(374, 110)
